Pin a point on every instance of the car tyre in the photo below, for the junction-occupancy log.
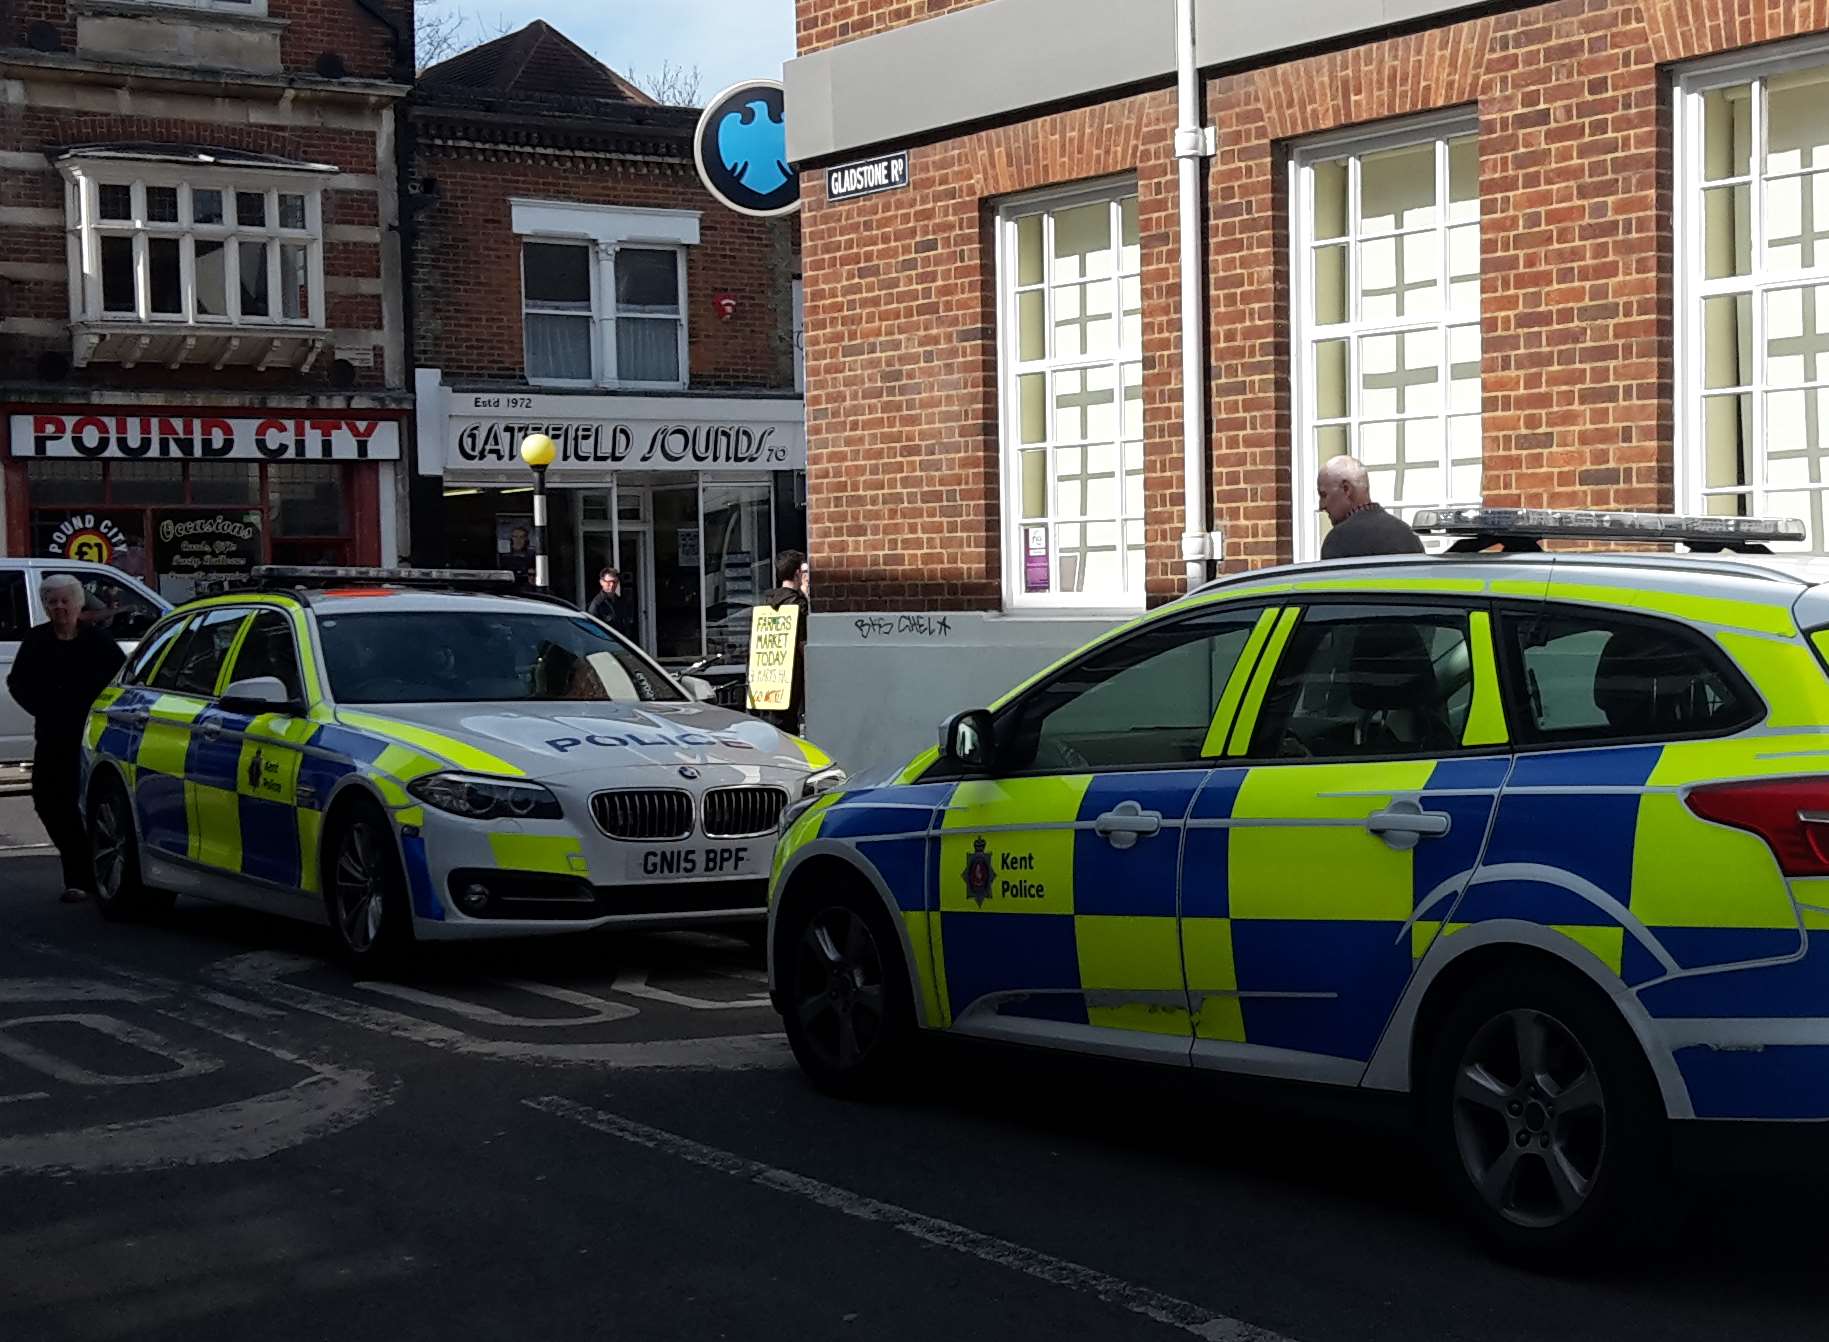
(1545, 1121)
(121, 893)
(846, 1001)
(365, 892)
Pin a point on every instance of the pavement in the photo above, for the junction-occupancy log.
(19, 827)
(209, 1132)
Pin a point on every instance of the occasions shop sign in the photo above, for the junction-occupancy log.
(209, 544)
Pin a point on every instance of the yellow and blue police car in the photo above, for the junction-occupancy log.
(412, 755)
(1539, 839)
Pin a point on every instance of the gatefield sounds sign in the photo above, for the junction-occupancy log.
(773, 641)
(194, 437)
(598, 436)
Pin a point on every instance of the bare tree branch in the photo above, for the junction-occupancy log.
(440, 33)
(671, 85)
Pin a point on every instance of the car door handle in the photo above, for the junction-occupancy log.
(1127, 822)
(209, 731)
(1404, 824)
(137, 717)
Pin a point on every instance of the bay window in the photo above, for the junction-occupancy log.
(1070, 291)
(1386, 315)
(155, 243)
(1753, 284)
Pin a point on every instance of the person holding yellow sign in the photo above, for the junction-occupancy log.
(777, 647)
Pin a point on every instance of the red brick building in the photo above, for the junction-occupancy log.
(573, 276)
(202, 354)
(1562, 254)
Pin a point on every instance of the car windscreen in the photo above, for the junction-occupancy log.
(482, 656)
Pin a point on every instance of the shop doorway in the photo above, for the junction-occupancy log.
(614, 532)
(695, 555)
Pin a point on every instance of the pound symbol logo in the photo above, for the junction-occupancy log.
(978, 874)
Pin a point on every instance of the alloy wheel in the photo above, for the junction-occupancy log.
(109, 848)
(360, 887)
(840, 997)
(1530, 1119)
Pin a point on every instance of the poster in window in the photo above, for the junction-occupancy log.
(202, 545)
(1035, 559)
(689, 547)
(514, 544)
(90, 537)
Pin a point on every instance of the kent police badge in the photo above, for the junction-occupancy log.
(978, 874)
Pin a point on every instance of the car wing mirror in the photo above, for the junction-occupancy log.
(969, 740)
(260, 694)
(699, 688)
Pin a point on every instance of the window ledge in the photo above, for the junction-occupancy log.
(175, 345)
(196, 14)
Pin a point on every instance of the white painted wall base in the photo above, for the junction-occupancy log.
(878, 685)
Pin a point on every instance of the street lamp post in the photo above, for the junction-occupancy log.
(538, 451)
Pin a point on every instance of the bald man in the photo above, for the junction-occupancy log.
(1361, 527)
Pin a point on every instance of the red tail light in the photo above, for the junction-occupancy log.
(1790, 814)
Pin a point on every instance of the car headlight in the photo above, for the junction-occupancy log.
(822, 781)
(477, 798)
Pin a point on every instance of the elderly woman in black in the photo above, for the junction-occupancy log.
(62, 665)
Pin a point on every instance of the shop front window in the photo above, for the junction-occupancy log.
(307, 501)
(175, 524)
(678, 573)
(739, 569)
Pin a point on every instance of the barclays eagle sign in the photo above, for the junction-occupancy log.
(741, 148)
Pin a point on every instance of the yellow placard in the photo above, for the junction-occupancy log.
(774, 640)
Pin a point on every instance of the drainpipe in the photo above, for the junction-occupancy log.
(1193, 142)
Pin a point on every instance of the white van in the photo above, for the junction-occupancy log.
(124, 606)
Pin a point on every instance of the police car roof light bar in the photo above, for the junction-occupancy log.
(1516, 529)
(321, 577)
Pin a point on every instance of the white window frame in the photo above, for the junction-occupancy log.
(83, 182)
(1437, 128)
(1692, 289)
(608, 229)
(1112, 191)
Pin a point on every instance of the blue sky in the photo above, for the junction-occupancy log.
(728, 40)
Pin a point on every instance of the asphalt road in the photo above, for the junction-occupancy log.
(207, 1132)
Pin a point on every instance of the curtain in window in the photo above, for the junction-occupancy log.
(559, 347)
(647, 350)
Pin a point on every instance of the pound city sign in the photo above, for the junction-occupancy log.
(204, 438)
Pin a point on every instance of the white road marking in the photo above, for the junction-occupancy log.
(329, 1100)
(634, 983)
(17, 991)
(187, 1062)
(260, 973)
(599, 1011)
(241, 1006)
(1167, 1309)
